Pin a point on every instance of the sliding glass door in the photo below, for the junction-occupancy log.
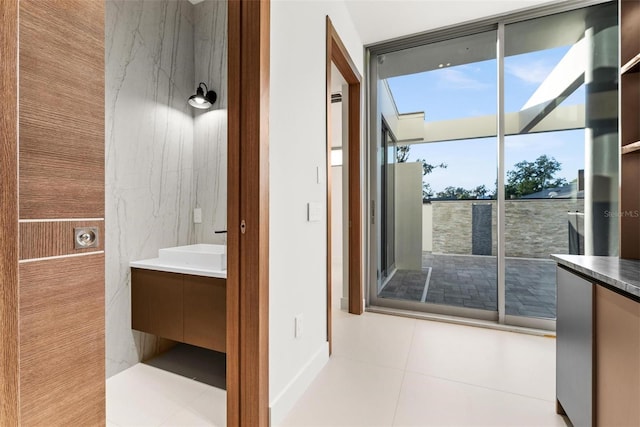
(388, 221)
(560, 71)
(442, 174)
(494, 147)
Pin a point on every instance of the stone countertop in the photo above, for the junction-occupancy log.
(162, 265)
(622, 274)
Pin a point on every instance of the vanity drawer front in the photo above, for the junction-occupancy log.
(205, 315)
(156, 303)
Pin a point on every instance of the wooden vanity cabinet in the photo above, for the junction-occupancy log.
(156, 303)
(180, 307)
(597, 353)
(205, 314)
(617, 352)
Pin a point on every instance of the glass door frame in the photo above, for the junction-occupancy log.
(373, 156)
(387, 217)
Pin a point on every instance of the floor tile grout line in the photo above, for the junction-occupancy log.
(379, 365)
(404, 372)
(481, 386)
(395, 409)
(367, 362)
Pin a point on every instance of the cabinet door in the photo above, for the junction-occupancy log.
(156, 303)
(618, 359)
(205, 317)
(574, 347)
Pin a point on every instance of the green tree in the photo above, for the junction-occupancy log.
(454, 193)
(532, 177)
(402, 153)
(480, 192)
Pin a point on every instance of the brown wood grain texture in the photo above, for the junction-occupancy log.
(157, 303)
(328, 148)
(54, 238)
(61, 109)
(630, 132)
(339, 55)
(9, 380)
(356, 304)
(630, 206)
(630, 111)
(617, 359)
(254, 209)
(234, 71)
(629, 30)
(179, 308)
(205, 312)
(62, 342)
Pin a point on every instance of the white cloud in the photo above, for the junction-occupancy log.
(460, 80)
(530, 72)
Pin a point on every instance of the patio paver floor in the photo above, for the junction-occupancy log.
(471, 281)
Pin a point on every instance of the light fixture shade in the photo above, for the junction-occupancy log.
(201, 100)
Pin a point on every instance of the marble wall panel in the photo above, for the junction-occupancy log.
(210, 127)
(163, 158)
(149, 153)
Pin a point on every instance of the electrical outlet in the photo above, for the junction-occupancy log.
(197, 216)
(298, 326)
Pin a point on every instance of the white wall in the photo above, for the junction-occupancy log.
(336, 220)
(408, 215)
(297, 149)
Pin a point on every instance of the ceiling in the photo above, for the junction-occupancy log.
(561, 29)
(380, 20)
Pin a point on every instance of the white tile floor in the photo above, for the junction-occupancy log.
(147, 396)
(385, 371)
(394, 371)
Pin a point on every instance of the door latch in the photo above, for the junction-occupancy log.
(373, 212)
(85, 237)
(243, 226)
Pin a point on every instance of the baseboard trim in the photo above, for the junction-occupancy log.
(284, 402)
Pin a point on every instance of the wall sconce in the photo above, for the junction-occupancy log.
(203, 99)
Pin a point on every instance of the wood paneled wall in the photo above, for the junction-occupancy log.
(8, 212)
(45, 239)
(52, 180)
(61, 109)
(62, 342)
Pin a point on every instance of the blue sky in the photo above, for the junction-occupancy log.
(470, 90)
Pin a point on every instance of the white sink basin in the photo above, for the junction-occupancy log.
(204, 256)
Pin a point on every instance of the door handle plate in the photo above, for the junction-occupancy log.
(86, 237)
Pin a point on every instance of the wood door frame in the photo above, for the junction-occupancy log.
(338, 55)
(9, 363)
(248, 210)
(247, 286)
